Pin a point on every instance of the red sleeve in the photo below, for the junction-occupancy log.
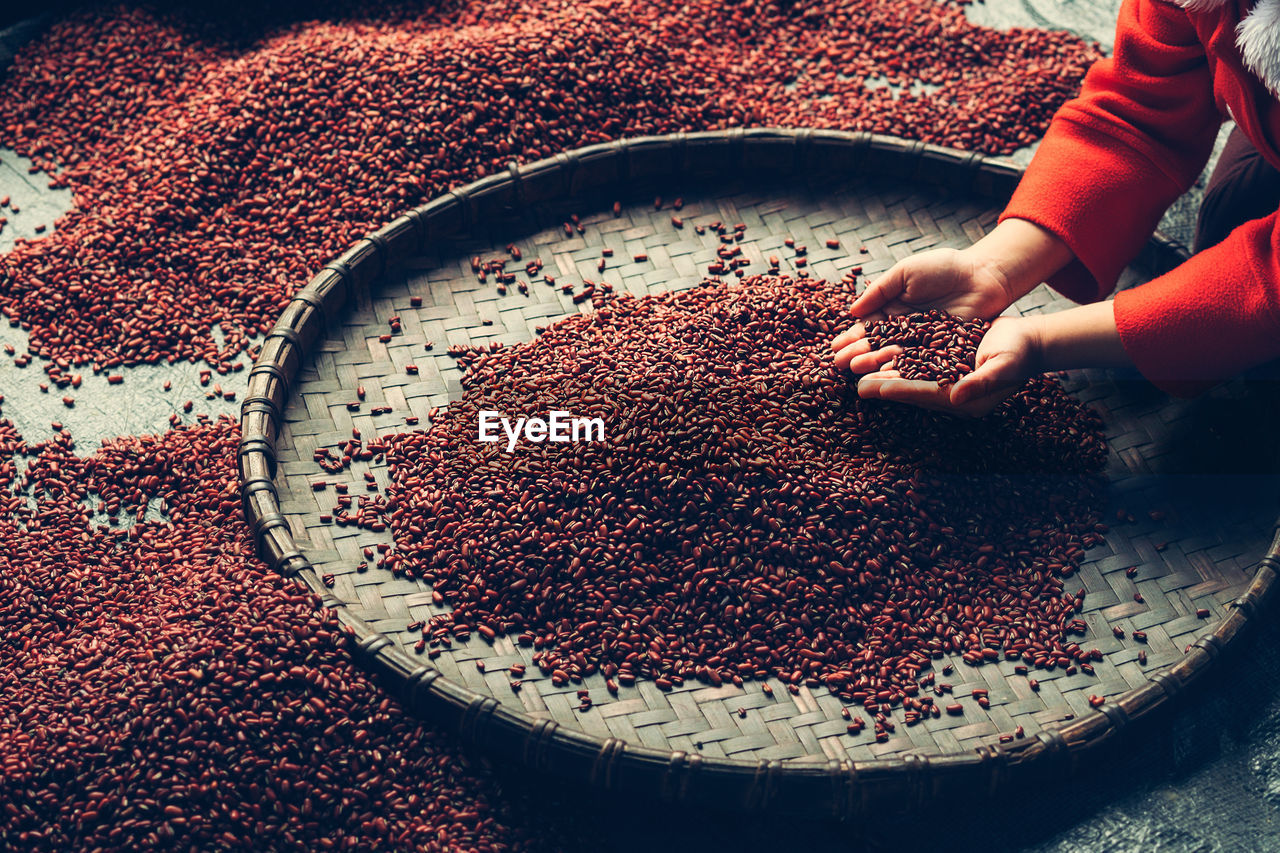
(1210, 318)
(1116, 157)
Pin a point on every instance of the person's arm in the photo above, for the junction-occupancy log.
(1210, 318)
(1079, 337)
(1021, 254)
(1186, 330)
(1117, 156)
(1111, 163)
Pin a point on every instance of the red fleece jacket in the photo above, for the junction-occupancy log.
(1117, 156)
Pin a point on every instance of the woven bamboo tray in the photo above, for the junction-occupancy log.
(790, 753)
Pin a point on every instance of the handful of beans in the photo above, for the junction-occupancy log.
(937, 346)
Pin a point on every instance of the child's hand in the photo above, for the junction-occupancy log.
(950, 279)
(1009, 355)
(977, 282)
(957, 281)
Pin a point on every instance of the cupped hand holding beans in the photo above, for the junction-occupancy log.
(1009, 355)
(951, 280)
(974, 283)
(1012, 351)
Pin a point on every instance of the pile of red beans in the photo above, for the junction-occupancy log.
(159, 687)
(746, 515)
(216, 167)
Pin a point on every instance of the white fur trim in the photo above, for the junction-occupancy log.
(1258, 37)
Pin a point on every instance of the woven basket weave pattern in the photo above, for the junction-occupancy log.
(893, 198)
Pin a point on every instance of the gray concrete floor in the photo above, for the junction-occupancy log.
(1209, 781)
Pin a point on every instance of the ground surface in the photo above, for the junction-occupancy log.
(1204, 778)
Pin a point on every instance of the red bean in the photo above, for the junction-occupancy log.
(211, 147)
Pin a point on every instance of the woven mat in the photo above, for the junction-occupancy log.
(1207, 531)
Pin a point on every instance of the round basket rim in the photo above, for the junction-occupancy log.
(838, 788)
